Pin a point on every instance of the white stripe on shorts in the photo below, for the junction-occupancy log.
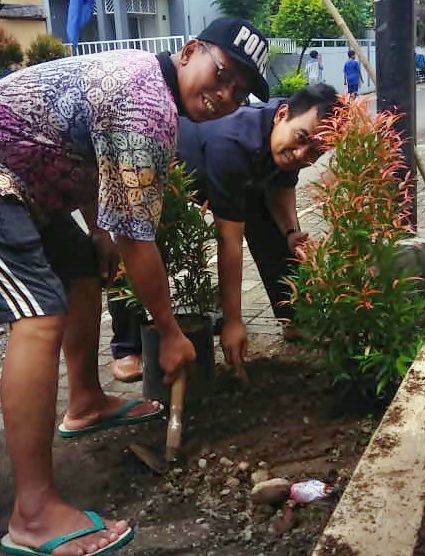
(12, 306)
(16, 293)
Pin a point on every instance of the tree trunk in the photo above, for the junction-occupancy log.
(305, 46)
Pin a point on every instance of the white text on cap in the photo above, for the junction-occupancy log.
(253, 46)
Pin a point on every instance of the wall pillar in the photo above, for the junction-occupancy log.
(48, 14)
(101, 20)
(121, 20)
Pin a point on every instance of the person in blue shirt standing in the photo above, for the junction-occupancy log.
(352, 74)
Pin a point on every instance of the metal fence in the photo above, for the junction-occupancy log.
(338, 43)
(288, 46)
(285, 46)
(333, 50)
(154, 45)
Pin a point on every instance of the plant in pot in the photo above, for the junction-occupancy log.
(185, 238)
(351, 296)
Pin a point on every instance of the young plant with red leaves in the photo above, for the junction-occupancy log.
(345, 292)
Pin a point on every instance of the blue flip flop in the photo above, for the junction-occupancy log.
(118, 418)
(9, 547)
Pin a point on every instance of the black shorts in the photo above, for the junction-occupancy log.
(38, 264)
(353, 88)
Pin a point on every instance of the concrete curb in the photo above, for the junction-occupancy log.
(381, 509)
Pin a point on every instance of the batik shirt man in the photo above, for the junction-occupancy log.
(91, 129)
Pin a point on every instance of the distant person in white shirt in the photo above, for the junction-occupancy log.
(314, 68)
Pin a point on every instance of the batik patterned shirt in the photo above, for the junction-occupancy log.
(98, 128)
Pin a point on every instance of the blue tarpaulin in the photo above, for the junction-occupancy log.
(79, 14)
(420, 61)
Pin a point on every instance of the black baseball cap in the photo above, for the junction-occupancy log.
(245, 44)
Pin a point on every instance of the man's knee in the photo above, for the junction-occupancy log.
(43, 330)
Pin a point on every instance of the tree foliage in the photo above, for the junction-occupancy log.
(264, 15)
(238, 8)
(303, 20)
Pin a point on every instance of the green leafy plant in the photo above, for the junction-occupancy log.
(45, 48)
(10, 51)
(288, 84)
(349, 299)
(185, 240)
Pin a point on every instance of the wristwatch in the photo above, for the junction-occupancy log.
(292, 231)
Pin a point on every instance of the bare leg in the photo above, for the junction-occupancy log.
(28, 396)
(87, 402)
(81, 343)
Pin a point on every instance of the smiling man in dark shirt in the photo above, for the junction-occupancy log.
(246, 166)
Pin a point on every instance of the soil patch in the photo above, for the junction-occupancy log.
(333, 546)
(283, 426)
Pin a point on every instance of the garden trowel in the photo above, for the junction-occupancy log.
(153, 460)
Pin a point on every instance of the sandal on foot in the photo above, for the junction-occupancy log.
(118, 418)
(9, 547)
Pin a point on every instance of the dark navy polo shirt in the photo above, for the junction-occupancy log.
(231, 154)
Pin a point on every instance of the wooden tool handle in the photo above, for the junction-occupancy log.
(174, 430)
(178, 391)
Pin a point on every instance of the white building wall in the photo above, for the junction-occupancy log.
(201, 13)
(163, 18)
(149, 26)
